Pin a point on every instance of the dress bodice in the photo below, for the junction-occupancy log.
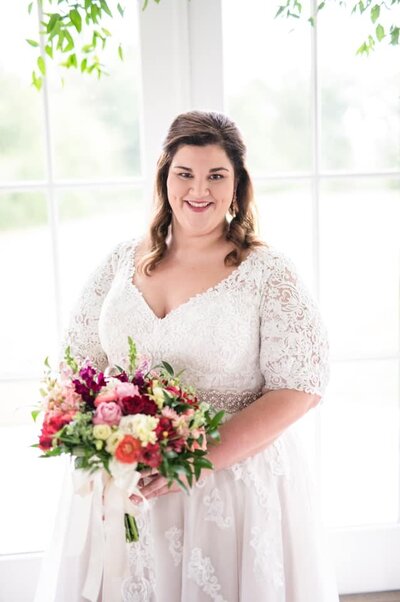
(256, 330)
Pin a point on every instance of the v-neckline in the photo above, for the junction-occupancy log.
(190, 299)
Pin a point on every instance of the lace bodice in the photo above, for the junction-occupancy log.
(256, 330)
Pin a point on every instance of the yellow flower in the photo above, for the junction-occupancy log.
(101, 431)
(99, 444)
(158, 396)
(113, 441)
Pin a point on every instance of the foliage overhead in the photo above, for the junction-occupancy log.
(373, 9)
(75, 30)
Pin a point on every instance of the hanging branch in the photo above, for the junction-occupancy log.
(75, 32)
(375, 10)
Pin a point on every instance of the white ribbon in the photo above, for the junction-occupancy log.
(103, 526)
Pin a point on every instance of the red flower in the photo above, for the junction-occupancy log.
(128, 450)
(177, 444)
(151, 455)
(164, 428)
(138, 405)
(52, 424)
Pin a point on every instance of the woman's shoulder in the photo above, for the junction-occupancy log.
(269, 259)
(122, 254)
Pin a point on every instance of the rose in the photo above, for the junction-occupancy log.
(128, 450)
(107, 413)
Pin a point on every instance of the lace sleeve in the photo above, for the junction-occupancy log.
(294, 350)
(82, 333)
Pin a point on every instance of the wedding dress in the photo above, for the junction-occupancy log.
(249, 532)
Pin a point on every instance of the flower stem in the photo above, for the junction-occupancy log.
(131, 530)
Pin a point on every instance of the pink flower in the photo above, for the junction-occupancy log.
(105, 397)
(169, 413)
(107, 413)
(123, 390)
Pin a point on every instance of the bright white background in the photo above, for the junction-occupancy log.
(323, 134)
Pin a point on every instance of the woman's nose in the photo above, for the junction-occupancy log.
(199, 188)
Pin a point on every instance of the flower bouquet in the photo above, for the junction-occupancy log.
(124, 421)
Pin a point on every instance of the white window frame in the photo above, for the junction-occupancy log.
(178, 75)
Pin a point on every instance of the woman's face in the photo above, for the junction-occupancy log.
(200, 187)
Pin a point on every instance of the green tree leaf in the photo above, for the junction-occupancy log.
(76, 19)
(33, 43)
(42, 65)
(375, 12)
(380, 32)
(120, 52)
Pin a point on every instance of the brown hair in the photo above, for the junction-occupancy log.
(200, 128)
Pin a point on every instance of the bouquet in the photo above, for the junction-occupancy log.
(124, 421)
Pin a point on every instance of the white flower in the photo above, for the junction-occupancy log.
(113, 441)
(101, 431)
(140, 426)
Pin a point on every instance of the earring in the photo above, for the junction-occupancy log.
(234, 207)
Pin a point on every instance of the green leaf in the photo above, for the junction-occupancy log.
(320, 6)
(394, 35)
(49, 51)
(105, 7)
(375, 12)
(168, 368)
(76, 19)
(145, 3)
(54, 19)
(70, 42)
(120, 52)
(30, 7)
(35, 414)
(42, 65)
(33, 43)
(83, 65)
(380, 32)
(120, 9)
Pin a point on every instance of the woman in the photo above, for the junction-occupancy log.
(202, 292)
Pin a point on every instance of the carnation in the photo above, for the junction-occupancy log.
(140, 426)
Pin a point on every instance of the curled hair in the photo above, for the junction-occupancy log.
(200, 128)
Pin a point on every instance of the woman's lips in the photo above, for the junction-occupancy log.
(198, 207)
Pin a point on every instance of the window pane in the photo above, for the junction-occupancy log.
(360, 264)
(360, 444)
(360, 125)
(28, 510)
(27, 315)
(95, 123)
(92, 223)
(285, 216)
(21, 136)
(267, 84)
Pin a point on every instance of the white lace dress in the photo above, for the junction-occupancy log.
(250, 532)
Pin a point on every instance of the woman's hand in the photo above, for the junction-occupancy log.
(152, 484)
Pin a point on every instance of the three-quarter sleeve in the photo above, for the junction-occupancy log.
(82, 333)
(294, 348)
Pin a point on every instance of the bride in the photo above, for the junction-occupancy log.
(201, 291)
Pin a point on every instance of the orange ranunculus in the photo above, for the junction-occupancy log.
(128, 450)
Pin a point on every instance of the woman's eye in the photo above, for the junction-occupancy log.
(185, 175)
(217, 176)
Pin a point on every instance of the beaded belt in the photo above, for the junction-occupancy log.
(230, 401)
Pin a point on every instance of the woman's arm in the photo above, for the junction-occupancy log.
(248, 432)
(255, 427)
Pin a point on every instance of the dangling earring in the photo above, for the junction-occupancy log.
(234, 207)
